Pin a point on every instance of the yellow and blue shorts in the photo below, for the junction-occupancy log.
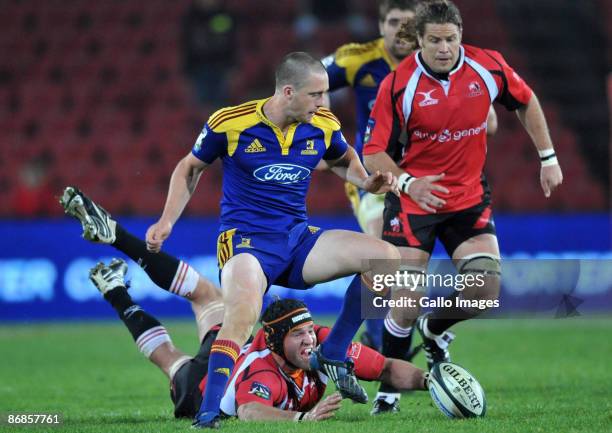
(281, 255)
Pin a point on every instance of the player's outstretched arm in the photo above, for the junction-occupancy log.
(350, 168)
(183, 183)
(534, 122)
(325, 409)
(402, 375)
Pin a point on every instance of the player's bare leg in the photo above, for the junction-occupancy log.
(207, 306)
(403, 375)
(477, 256)
(338, 253)
(243, 284)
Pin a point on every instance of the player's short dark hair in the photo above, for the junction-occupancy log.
(385, 6)
(436, 12)
(295, 68)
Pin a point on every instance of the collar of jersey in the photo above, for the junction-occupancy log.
(427, 70)
(284, 141)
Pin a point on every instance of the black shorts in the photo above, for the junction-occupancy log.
(452, 228)
(184, 388)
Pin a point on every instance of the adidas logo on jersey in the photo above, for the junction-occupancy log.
(367, 81)
(255, 147)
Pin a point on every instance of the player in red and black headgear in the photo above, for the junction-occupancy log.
(281, 317)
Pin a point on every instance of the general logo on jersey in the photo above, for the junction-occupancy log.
(427, 98)
(260, 390)
(310, 150)
(255, 147)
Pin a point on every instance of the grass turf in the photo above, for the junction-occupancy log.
(538, 375)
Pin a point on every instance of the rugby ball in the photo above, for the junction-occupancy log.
(456, 392)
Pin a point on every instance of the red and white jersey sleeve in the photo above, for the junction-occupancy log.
(369, 363)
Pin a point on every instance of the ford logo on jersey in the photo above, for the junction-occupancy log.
(281, 173)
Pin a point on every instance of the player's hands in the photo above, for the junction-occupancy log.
(421, 191)
(380, 183)
(157, 234)
(550, 178)
(325, 408)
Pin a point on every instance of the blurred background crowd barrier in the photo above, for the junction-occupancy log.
(109, 95)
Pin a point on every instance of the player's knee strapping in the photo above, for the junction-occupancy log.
(210, 316)
(486, 272)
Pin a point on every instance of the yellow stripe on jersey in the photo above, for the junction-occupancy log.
(353, 56)
(233, 121)
(225, 248)
(223, 114)
(327, 122)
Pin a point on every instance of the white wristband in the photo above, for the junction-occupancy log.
(550, 161)
(299, 416)
(548, 157)
(546, 153)
(404, 182)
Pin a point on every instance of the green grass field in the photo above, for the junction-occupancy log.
(538, 375)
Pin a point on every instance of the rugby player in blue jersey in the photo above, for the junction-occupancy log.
(269, 149)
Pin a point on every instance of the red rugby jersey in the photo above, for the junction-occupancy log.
(258, 378)
(430, 126)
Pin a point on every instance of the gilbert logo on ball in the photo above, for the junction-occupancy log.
(456, 392)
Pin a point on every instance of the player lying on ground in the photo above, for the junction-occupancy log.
(272, 379)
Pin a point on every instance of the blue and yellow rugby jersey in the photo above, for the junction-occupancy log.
(362, 67)
(265, 174)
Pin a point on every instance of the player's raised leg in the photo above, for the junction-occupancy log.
(338, 253)
(149, 335)
(165, 271)
(243, 284)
